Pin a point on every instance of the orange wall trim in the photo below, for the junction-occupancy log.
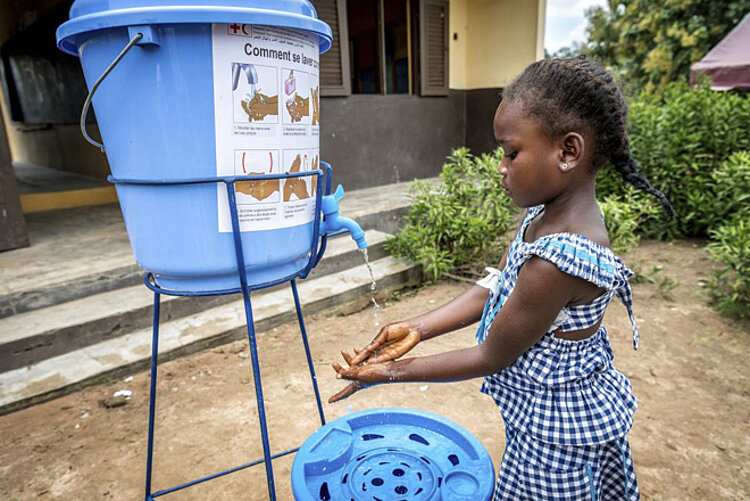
(39, 202)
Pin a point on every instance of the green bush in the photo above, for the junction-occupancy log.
(623, 214)
(729, 287)
(456, 222)
(681, 137)
(730, 189)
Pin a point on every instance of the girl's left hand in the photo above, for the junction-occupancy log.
(362, 377)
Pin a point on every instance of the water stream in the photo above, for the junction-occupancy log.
(373, 286)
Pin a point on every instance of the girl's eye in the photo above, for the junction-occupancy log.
(513, 155)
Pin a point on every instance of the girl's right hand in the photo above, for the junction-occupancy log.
(392, 342)
(361, 377)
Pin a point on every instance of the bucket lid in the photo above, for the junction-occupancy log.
(91, 15)
(392, 454)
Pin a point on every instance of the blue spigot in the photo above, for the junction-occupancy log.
(334, 223)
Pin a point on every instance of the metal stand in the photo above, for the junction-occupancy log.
(317, 248)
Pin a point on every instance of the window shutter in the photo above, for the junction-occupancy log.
(433, 47)
(335, 78)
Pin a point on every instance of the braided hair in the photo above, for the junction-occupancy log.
(581, 95)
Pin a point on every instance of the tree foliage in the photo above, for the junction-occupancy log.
(649, 43)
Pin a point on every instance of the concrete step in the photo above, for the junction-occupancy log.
(30, 337)
(115, 357)
(79, 252)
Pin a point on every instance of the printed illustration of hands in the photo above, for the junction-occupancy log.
(315, 94)
(296, 185)
(255, 104)
(261, 106)
(314, 183)
(259, 190)
(296, 105)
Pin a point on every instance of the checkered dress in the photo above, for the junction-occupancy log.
(566, 408)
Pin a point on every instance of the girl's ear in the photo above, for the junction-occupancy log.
(571, 151)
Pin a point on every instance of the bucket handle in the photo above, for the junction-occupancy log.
(98, 82)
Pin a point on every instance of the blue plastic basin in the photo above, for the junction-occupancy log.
(392, 455)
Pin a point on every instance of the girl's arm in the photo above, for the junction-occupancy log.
(396, 339)
(464, 310)
(541, 291)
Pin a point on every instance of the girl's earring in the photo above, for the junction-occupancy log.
(564, 166)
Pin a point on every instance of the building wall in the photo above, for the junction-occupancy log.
(58, 146)
(372, 140)
(458, 42)
(480, 112)
(492, 41)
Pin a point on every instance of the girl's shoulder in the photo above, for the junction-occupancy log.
(592, 230)
(575, 254)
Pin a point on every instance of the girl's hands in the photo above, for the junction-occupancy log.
(370, 365)
(392, 342)
(363, 376)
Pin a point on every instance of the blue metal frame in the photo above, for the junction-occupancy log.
(317, 248)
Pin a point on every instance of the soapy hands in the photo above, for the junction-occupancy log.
(373, 364)
(260, 106)
(298, 107)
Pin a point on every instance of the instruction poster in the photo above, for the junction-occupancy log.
(266, 112)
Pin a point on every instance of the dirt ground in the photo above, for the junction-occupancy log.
(691, 438)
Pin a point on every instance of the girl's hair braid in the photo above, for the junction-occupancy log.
(627, 166)
(577, 94)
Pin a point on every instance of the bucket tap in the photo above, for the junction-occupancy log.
(333, 223)
(250, 74)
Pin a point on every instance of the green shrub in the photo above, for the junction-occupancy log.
(729, 287)
(730, 189)
(681, 137)
(623, 214)
(457, 221)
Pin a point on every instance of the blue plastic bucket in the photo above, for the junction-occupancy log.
(392, 455)
(157, 116)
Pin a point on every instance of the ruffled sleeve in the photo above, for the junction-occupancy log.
(581, 257)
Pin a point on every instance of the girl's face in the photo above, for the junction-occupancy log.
(531, 162)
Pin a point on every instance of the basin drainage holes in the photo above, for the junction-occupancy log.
(418, 438)
(387, 474)
(324, 494)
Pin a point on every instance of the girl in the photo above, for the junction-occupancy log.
(543, 351)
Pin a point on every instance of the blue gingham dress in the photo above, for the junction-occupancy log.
(566, 408)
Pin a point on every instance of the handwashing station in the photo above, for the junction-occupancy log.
(209, 116)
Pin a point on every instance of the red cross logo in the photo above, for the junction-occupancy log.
(235, 28)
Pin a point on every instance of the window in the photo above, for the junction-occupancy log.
(397, 34)
(385, 47)
(379, 46)
(364, 53)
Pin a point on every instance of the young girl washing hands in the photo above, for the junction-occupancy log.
(542, 349)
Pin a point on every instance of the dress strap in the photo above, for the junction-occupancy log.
(493, 282)
(581, 257)
(625, 294)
